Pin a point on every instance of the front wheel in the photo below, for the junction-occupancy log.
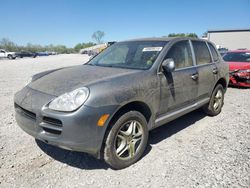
(10, 57)
(126, 141)
(216, 102)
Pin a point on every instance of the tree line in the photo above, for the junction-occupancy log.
(9, 45)
(97, 37)
(13, 47)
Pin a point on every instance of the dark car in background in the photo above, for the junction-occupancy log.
(43, 54)
(239, 67)
(26, 54)
(108, 106)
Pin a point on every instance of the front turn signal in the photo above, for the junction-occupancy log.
(102, 120)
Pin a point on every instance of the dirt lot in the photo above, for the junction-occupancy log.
(193, 151)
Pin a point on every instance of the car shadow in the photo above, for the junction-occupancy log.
(169, 129)
(85, 161)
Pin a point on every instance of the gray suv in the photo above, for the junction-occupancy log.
(107, 107)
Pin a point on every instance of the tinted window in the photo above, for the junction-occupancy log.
(201, 51)
(214, 52)
(181, 54)
(237, 56)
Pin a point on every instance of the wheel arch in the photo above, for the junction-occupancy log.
(139, 106)
(223, 82)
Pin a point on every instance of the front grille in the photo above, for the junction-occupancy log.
(51, 125)
(25, 112)
(52, 131)
(52, 121)
(240, 79)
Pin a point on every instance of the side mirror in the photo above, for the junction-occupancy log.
(168, 65)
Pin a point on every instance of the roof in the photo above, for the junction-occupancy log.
(247, 51)
(228, 30)
(163, 39)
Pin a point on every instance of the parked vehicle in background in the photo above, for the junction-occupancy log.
(42, 53)
(92, 53)
(110, 43)
(222, 51)
(84, 52)
(53, 53)
(26, 54)
(6, 54)
(239, 67)
(107, 106)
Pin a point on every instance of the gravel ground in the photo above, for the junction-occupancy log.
(193, 151)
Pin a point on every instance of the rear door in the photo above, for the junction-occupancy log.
(205, 67)
(179, 88)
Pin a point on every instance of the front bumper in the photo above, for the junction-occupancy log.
(76, 130)
(240, 82)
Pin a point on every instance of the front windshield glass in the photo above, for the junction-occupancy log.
(237, 57)
(131, 55)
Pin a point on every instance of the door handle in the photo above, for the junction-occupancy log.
(215, 70)
(195, 76)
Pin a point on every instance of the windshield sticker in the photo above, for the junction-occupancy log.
(247, 53)
(152, 49)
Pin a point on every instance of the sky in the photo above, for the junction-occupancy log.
(70, 22)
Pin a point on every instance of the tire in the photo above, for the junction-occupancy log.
(126, 141)
(216, 102)
(10, 57)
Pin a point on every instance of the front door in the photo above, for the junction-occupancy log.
(179, 88)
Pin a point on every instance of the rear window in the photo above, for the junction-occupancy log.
(214, 52)
(201, 51)
(237, 56)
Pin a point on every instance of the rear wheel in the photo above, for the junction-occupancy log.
(10, 57)
(216, 102)
(126, 141)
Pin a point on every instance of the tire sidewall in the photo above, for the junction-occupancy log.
(211, 103)
(110, 151)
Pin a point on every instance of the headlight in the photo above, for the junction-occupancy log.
(247, 70)
(69, 102)
(243, 74)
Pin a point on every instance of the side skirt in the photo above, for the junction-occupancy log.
(163, 119)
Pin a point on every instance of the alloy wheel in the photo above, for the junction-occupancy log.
(128, 140)
(218, 100)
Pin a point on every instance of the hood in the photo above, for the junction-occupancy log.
(238, 66)
(67, 79)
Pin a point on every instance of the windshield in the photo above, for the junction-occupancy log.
(131, 55)
(237, 57)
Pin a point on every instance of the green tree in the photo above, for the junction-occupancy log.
(8, 45)
(205, 34)
(183, 35)
(97, 36)
(80, 46)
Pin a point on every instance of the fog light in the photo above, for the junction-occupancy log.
(102, 120)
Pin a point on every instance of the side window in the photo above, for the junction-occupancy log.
(201, 51)
(214, 52)
(181, 54)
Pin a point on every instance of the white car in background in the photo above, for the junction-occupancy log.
(5, 54)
